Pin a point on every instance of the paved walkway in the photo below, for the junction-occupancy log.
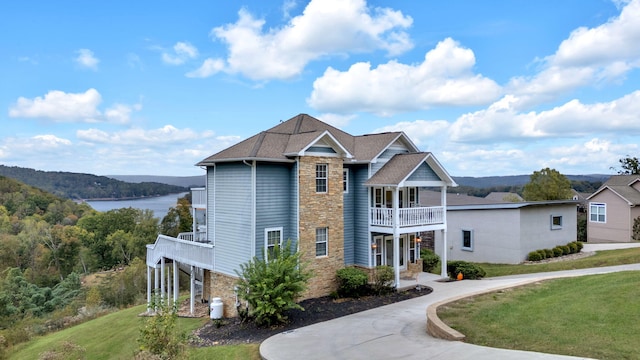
(398, 331)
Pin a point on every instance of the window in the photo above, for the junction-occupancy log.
(321, 241)
(272, 236)
(413, 197)
(598, 212)
(345, 180)
(412, 248)
(556, 222)
(467, 240)
(321, 178)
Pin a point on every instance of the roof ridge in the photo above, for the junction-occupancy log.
(258, 144)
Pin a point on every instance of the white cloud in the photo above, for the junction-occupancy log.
(59, 106)
(86, 59)
(444, 78)
(160, 137)
(503, 121)
(589, 56)
(424, 133)
(182, 51)
(337, 120)
(325, 28)
(208, 68)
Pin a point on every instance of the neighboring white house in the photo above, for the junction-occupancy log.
(505, 233)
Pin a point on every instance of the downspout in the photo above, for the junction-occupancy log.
(253, 206)
(297, 227)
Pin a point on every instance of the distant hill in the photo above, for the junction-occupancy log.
(86, 186)
(518, 180)
(184, 181)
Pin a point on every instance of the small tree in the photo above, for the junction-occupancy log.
(272, 285)
(635, 234)
(547, 184)
(159, 335)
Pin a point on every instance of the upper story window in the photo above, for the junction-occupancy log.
(556, 222)
(598, 212)
(467, 240)
(321, 178)
(322, 238)
(345, 180)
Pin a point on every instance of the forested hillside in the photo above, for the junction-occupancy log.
(86, 186)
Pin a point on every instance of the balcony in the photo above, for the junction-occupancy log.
(407, 217)
(186, 252)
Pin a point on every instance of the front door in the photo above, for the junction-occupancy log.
(384, 254)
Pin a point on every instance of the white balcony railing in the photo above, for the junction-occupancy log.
(186, 252)
(200, 236)
(415, 216)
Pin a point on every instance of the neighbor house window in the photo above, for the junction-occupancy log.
(556, 222)
(467, 240)
(321, 178)
(598, 212)
(345, 180)
(321, 241)
(272, 236)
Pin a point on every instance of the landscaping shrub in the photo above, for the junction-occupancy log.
(384, 277)
(272, 286)
(468, 270)
(579, 244)
(549, 253)
(573, 248)
(534, 256)
(159, 334)
(352, 282)
(565, 250)
(557, 251)
(543, 254)
(429, 260)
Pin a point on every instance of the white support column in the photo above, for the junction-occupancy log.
(445, 249)
(156, 285)
(162, 265)
(176, 284)
(148, 288)
(169, 280)
(192, 289)
(396, 236)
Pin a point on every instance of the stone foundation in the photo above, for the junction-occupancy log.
(216, 285)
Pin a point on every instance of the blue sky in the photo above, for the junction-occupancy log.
(152, 87)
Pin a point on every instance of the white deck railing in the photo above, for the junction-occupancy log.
(200, 236)
(186, 252)
(415, 216)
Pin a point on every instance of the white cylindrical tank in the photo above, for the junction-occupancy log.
(217, 308)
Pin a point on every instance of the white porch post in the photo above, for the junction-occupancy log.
(176, 284)
(156, 285)
(168, 286)
(445, 247)
(396, 237)
(192, 289)
(162, 279)
(148, 288)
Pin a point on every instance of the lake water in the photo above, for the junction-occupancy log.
(159, 205)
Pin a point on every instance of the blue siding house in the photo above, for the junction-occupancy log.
(342, 200)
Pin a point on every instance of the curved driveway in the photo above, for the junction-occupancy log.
(398, 331)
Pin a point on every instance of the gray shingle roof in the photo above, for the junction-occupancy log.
(397, 169)
(293, 135)
(621, 185)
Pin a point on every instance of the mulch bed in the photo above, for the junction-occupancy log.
(233, 331)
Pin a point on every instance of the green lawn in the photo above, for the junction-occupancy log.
(593, 316)
(114, 336)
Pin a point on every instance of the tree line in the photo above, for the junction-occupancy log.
(86, 186)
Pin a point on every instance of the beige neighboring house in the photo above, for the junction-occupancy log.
(613, 209)
(481, 230)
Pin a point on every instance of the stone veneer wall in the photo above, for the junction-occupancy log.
(222, 286)
(321, 210)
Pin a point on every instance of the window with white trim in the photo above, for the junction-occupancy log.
(345, 180)
(272, 236)
(322, 241)
(321, 178)
(467, 240)
(556, 222)
(598, 212)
